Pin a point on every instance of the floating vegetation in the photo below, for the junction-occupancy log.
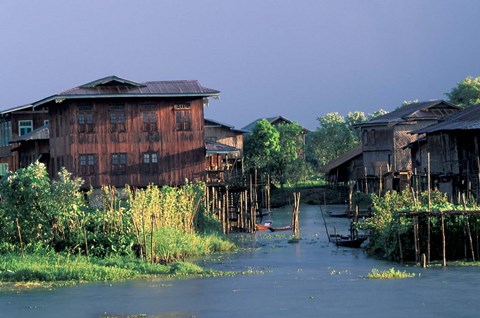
(389, 274)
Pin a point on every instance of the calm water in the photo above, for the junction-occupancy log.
(313, 278)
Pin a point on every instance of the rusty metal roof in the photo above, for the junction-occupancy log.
(349, 155)
(216, 123)
(41, 133)
(113, 86)
(434, 109)
(218, 148)
(466, 119)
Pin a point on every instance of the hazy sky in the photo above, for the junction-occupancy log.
(299, 59)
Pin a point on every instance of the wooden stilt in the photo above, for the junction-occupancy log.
(444, 250)
(399, 239)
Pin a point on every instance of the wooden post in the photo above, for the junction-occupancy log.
(323, 217)
(428, 180)
(415, 239)
(444, 250)
(428, 238)
(296, 211)
(467, 225)
(380, 183)
(20, 237)
(399, 239)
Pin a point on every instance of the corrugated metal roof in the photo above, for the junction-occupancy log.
(349, 155)
(414, 111)
(466, 119)
(218, 148)
(113, 86)
(213, 123)
(40, 133)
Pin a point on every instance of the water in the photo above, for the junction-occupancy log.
(312, 278)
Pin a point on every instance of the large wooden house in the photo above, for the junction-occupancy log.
(117, 132)
(453, 146)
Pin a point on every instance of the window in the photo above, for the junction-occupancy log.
(87, 164)
(119, 163)
(372, 137)
(46, 122)
(5, 133)
(149, 121)
(365, 137)
(25, 127)
(150, 162)
(85, 119)
(183, 120)
(3, 169)
(117, 118)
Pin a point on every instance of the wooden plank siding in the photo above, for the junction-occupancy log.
(225, 136)
(180, 153)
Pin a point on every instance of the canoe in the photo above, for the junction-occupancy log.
(283, 228)
(355, 243)
(338, 214)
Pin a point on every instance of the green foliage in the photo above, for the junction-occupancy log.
(389, 274)
(277, 151)
(287, 162)
(54, 214)
(466, 93)
(332, 138)
(261, 147)
(50, 212)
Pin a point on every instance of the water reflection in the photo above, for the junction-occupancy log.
(311, 278)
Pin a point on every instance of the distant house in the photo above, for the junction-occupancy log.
(216, 131)
(346, 167)
(454, 148)
(383, 155)
(384, 138)
(19, 130)
(114, 131)
(224, 145)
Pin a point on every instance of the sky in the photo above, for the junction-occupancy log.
(297, 59)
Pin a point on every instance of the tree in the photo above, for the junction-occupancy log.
(332, 138)
(290, 146)
(47, 212)
(261, 147)
(376, 114)
(466, 93)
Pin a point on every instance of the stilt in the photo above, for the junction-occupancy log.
(444, 250)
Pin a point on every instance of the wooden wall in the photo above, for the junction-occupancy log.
(181, 154)
(225, 136)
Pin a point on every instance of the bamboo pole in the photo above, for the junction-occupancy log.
(400, 247)
(323, 216)
(444, 250)
(415, 239)
(467, 225)
(85, 239)
(20, 237)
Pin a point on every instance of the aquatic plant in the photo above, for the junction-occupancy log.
(389, 274)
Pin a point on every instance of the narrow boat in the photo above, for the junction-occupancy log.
(338, 214)
(283, 228)
(355, 243)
